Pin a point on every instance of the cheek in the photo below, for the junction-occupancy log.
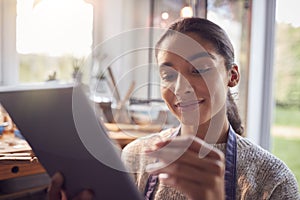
(218, 94)
(169, 98)
(216, 88)
(167, 94)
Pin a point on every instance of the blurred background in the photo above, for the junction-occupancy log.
(51, 40)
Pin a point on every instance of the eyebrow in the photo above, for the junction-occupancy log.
(200, 55)
(166, 64)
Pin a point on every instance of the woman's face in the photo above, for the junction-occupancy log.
(193, 85)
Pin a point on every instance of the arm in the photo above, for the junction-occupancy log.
(287, 189)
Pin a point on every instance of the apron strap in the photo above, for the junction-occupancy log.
(230, 167)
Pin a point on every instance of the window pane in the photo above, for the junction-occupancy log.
(50, 35)
(166, 12)
(234, 17)
(286, 127)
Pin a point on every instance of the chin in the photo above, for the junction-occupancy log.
(190, 118)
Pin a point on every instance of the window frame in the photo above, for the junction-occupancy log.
(8, 55)
(260, 89)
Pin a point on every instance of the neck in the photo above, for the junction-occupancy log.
(213, 131)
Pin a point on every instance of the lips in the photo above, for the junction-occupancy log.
(188, 105)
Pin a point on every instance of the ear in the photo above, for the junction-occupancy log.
(234, 76)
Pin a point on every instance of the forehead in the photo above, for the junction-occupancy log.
(169, 57)
(187, 46)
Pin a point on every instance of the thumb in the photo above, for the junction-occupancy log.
(85, 195)
(54, 190)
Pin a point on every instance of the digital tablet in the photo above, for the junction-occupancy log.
(64, 133)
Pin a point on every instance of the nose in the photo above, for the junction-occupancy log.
(182, 86)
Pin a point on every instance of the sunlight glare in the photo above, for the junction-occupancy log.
(287, 12)
(54, 27)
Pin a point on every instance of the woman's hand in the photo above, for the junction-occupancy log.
(55, 191)
(198, 172)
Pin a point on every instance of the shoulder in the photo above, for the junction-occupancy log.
(253, 153)
(255, 156)
(263, 171)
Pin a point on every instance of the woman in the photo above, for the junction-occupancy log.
(195, 85)
(205, 158)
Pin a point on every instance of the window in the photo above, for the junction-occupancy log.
(51, 35)
(286, 126)
(233, 17)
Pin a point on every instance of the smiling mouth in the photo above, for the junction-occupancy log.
(186, 105)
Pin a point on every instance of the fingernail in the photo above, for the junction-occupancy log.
(163, 176)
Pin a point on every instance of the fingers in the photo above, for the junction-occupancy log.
(54, 191)
(194, 144)
(195, 190)
(185, 150)
(166, 159)
(84, 195)
(177, 171)
(205, 149)
(191, 165)
(179, 153)
(202, 179)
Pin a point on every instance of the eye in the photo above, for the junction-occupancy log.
(168, 76)
(200, 70)
(202, 66)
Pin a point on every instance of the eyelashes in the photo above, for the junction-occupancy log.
(201, 70)
(171, 74)
(168, 76)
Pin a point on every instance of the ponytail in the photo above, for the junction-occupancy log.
(233, 115)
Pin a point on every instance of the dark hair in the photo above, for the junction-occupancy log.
(214, 34)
